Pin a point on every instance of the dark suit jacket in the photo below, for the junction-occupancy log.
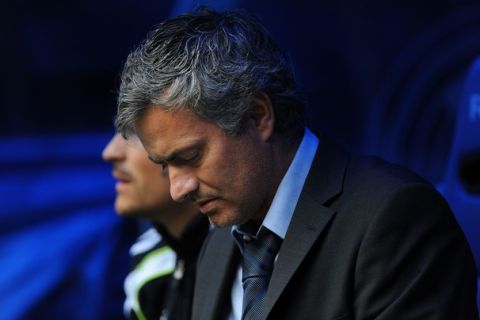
(368, 240)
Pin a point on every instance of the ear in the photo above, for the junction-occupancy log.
(263, 115)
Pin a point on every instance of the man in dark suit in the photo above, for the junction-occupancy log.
(305, 230)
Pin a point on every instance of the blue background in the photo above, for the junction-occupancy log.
(391, 78)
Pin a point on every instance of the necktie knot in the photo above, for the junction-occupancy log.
(258, 261)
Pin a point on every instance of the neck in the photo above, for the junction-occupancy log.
(281, 157)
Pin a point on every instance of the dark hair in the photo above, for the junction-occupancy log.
(212, 63)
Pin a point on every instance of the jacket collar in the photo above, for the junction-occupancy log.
(312, 214)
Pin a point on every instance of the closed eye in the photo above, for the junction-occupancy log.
(187, 156)
(187, 159)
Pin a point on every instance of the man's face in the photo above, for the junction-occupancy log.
(142, 187)
(229, 177)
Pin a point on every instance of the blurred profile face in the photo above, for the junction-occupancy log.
(142, 187)
(229, 177)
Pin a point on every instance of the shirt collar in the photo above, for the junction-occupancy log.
(283, 205)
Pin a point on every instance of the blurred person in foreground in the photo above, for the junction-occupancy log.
(305, 230)
(160, 283)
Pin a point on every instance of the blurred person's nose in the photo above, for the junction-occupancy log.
(115, 149)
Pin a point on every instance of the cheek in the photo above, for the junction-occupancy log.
(155, 188)
(150, 178)
(246, 180)
(232, 167)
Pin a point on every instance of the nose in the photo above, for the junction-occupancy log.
(115, 149)
(182, 183)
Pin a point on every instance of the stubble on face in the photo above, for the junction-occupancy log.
(245, 187)
(233, 170)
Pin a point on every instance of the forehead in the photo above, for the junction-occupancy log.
(162, 131)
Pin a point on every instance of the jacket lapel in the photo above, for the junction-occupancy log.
(324, 182)
(215, 276)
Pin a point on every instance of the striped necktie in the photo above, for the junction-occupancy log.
(258, 261)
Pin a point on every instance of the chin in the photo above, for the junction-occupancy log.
(125, 213)
(217, 224)
(224, 219)
(125, 210)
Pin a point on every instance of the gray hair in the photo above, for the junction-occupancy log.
(212, 64)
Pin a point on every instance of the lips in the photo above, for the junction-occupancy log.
(123, 181)
(121, 177)
(206, 205)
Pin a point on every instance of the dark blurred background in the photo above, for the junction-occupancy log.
(391, 78)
